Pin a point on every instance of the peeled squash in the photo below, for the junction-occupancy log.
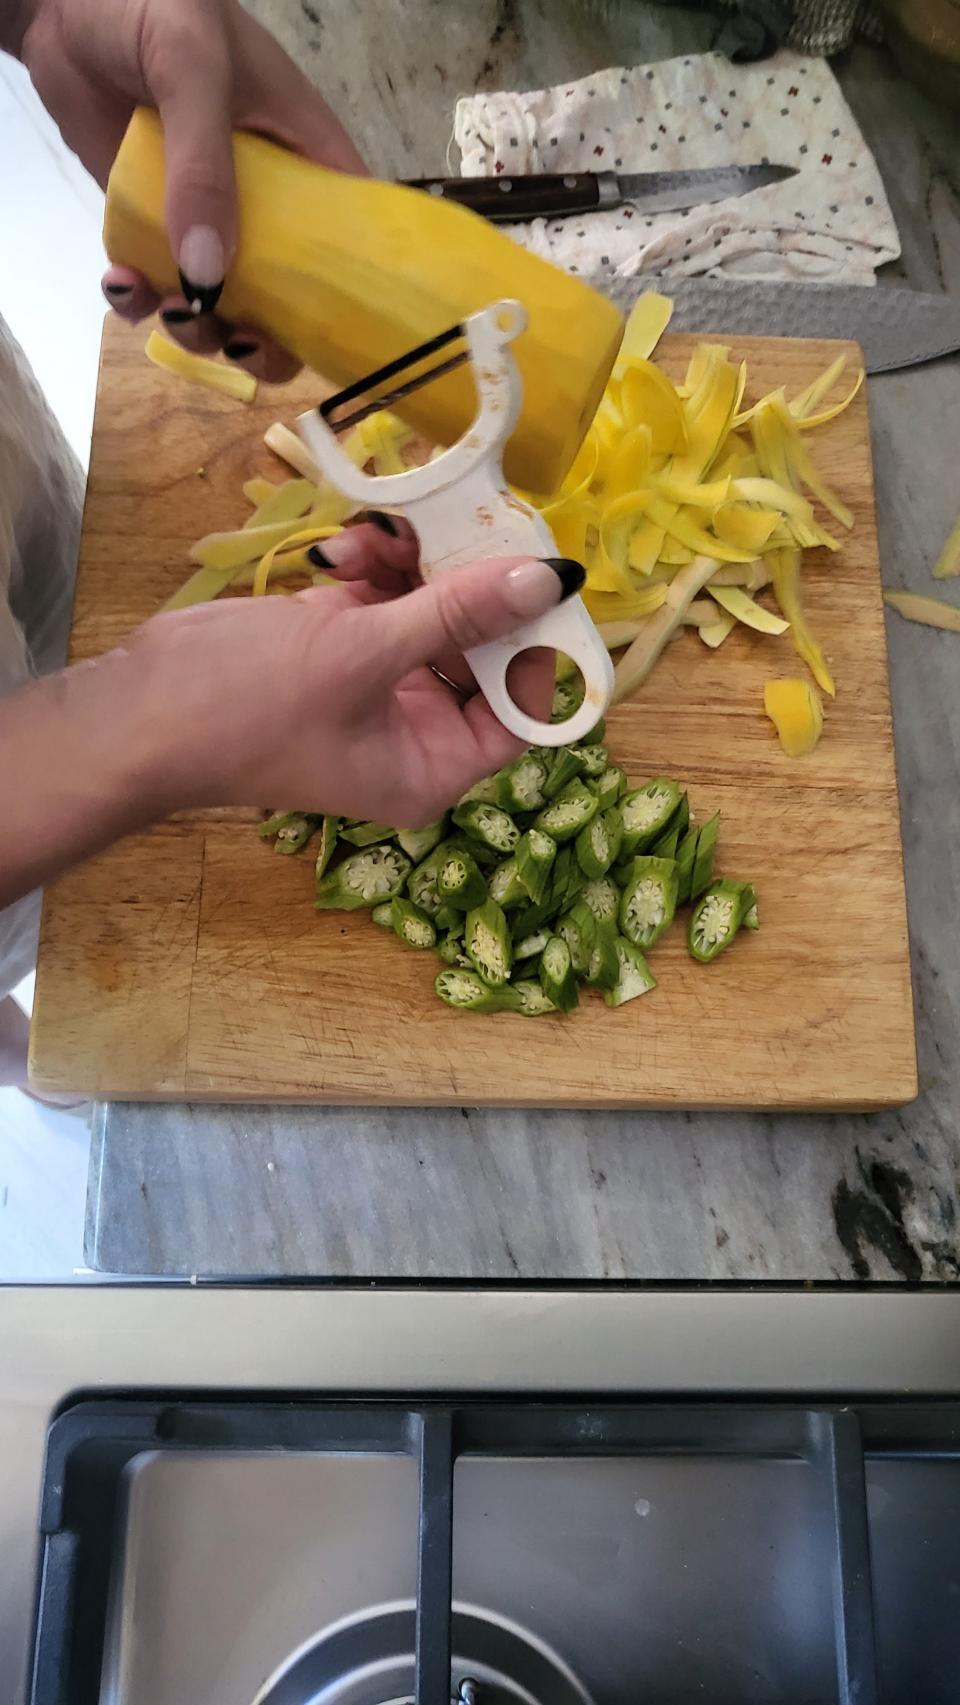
(350, 273)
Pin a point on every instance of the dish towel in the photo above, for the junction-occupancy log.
(831, 223)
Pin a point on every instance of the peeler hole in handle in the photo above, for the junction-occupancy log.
(529, 681)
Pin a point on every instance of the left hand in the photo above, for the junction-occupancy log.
(208, 68)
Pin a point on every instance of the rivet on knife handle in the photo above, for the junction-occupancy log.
(548, 195)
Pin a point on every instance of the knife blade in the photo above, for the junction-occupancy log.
(895, 328)
(557, 195)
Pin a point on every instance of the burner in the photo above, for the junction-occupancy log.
(369, 1660)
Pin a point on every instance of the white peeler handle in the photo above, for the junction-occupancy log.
(461, 509)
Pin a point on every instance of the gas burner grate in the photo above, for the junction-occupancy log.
(92, 1444)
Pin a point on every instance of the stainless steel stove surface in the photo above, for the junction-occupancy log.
(550, 1512)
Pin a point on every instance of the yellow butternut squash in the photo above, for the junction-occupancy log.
(350, 273)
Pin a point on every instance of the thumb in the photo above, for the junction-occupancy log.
(192, 86)
(464, 608)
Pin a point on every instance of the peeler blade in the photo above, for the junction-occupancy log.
(373, 382)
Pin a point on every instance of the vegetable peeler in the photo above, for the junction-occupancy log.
(462, 509)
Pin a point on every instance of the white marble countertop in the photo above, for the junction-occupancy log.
(477, 1194)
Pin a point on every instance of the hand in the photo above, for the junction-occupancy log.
(208, 68)
(328, 701)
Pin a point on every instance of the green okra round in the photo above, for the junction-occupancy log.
(368, 834)
(566, 815)
(489, 824)
(411, 925)
(505, 885)
(717, 917)
(686, 857)
(702, 874)
(649, 900)
(609, 787)
(635, 976)
(520, 786)
(460, 882)
(534, 859)
(603, 970)
(567, 698)
(603, 897)
(578, 928)
(556, 975)
(329, 835)
(532, 1000)
(488, 944)
(593, 762)
(599, 842)
(469, 993)
(565, 766)
(382, 915)
(364, 879)
(646, 811)
(418, 843)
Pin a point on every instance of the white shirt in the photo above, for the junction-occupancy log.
(41, 500)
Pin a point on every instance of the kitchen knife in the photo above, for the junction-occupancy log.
(895, 328)
(555, 195)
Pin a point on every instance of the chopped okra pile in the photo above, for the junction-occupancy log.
(552, 876)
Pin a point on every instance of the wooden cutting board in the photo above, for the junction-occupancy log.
(188, 963)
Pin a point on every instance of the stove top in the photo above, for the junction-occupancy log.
(488, 1498)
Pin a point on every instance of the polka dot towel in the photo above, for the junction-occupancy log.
(830, 223)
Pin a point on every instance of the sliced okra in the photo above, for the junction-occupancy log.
(496, 829)
(649, 900)
(410, 925)
(609, 787)
(603, 897)
(635, 977)
(469, 993)
(460, 881)
(686, 857)
(566, 815)
(422, 886)
(484, 792)
(364, 879)
(271, 826)
(717, 917)
(520, 786)
(603, 970)
(530, 946)
(450, 949)
(578, 928)
(382, 915)
(532, 1001)
(557, 979)
(292, 836)
(487, 941)
(418, 843)
(534, 857)
(596, 734)
(598, 843)
(702, 873)
(368, 834)
(567, 698)
(565, 767)
(646, 811)
(528, 919)
(329, 832)
(593, 761)
(668, 844)
(505, 885)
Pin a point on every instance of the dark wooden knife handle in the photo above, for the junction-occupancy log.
(550, 195)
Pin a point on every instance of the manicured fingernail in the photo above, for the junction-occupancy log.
(240, 347)
(175, 316)
(386, 523)
(202, 267)
(118, 289)
(319, 558)
(533, 587)
(570, 574)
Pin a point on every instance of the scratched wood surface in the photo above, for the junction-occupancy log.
(188, 963)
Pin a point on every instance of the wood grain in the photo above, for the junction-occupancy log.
(190, 964)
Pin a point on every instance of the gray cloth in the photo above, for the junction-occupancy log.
(810, 26)
(41, 500)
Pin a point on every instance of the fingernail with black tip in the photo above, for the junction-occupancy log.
(386, 523)
(319, 558)
(239, 348)
(176, 316)
(118, 289)
(570, 574)
(202, 298)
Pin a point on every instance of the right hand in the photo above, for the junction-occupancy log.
(327, 701)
